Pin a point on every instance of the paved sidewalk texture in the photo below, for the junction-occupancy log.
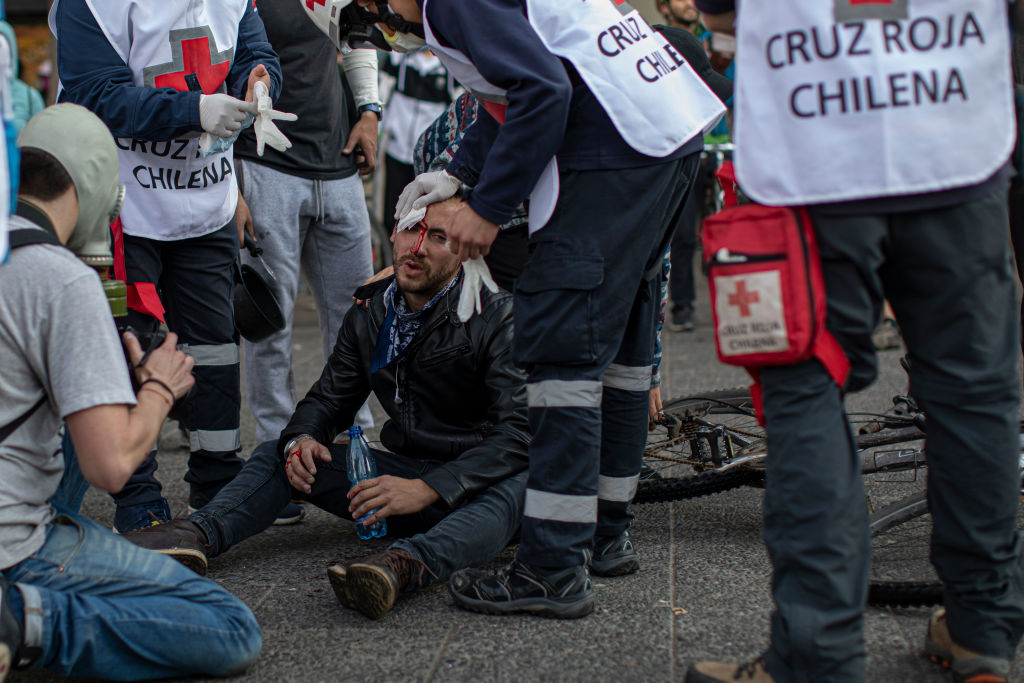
(702, 592)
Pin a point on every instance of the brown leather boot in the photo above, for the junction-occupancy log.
(181, 539)
(723, 672)
(371, 584)
(967, 666)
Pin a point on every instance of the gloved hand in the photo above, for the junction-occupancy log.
(222, 115)
(476, 273)
(425, 189)
(266, 130)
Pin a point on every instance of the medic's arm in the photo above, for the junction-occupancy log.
(94, 75)
(251, 49)
(497, 38)
(718, 16)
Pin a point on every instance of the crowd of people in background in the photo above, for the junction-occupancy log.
(542, 193)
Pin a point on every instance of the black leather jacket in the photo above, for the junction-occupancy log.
(456, 398)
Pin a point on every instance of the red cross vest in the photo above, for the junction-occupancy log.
(852, 99)
(173, 192)
(653, 97)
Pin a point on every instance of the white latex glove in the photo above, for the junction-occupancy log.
(476, 274)
(425, 189)
(266, 130)
(222, 115)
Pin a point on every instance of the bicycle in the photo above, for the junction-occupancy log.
(711, 442)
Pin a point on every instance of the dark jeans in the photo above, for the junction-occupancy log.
(194, 278)
(949, 278)
(99, 606)
(445, 540)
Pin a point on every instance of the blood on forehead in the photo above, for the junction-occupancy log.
(423, 233)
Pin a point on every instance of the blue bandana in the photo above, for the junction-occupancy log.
(401, 325)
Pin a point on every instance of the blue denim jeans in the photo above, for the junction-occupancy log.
(99, 606)
(445, 540)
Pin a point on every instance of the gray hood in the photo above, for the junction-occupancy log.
(83, 145)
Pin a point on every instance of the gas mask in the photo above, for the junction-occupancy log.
(83, 145)
(350, 26)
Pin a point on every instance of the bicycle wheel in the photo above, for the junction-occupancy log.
(701, 435)
(901, 571)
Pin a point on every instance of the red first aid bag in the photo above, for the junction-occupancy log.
(767, 288)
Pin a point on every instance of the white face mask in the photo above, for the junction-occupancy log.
(404, 42)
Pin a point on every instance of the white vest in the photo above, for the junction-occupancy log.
(652, 96)
(172, 192)
(840, 100)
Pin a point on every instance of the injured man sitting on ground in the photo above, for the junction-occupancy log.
(452, 480)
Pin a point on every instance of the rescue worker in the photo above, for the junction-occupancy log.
(607, 169)
(859, 111)
(159, 75)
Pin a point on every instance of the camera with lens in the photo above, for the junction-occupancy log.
(150, 341)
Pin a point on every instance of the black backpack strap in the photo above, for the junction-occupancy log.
(9, 428)
(22, 237)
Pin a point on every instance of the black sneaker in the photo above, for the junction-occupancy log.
(614, 556)
(181, 539)
(10, 632)
(682, 319)
(518, 587)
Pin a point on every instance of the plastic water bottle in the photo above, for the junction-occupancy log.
(361, 465)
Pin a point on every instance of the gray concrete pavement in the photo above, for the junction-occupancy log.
(702, 592)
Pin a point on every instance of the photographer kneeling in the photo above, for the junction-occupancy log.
(74, 598)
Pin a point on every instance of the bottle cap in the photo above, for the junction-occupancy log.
(355, 430)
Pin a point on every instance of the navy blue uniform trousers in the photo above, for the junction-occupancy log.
(194, 278)
(585, 311)
(948, 275)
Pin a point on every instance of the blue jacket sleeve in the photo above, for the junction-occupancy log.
(253, 48)
(93, 75)
(497, 38)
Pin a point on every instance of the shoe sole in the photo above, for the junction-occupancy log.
(370, 590)
(193, 559)
(337, 575)
(541, 607)
(285, 521)
(630, 565)
(5, 662)
(944, 658)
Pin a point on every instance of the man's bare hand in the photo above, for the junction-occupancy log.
(364, 134)
(300, 463)
(258, 73)
(653, 407)
(470, 235)
(392, 495)
(243, 219)
(165, 363)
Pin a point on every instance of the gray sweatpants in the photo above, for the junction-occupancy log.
(322, 226)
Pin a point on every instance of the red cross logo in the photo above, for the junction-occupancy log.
(195, 63)
(742, 299)
(310, 3)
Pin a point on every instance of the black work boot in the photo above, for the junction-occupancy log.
(10, 632)
(614, 556)
(371, 584)
(183, 540)
(519, 587)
